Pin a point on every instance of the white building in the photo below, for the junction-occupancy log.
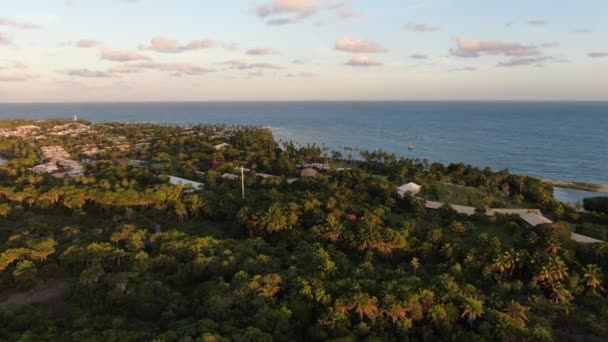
(410, 188)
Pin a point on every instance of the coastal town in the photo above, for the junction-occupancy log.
(97, 214)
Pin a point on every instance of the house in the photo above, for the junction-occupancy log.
(433, 205)
(230, 176)
(221, 146)
(530, 220)
(291, 180)
(318, 166)
(509, 211)
(265, 175)
(461, 209)
(584, 239)
(410, 188)
(185, 182)
(309, 172)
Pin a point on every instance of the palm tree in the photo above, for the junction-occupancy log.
(364, 305)
(593, 278)
(561, 295)
(393, 309)
(472, 309)
(438, 315)
(275, 220)
(518, 312)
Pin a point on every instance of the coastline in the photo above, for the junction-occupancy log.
(593, 187)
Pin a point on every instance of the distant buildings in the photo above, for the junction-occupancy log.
(21, 131)
(59, 163)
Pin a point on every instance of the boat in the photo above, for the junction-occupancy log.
(410, 147)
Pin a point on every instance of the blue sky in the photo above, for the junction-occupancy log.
(186, 50)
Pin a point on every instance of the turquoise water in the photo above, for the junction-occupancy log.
(574, 196)
(562, 140)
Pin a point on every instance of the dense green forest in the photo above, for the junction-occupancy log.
(118, 253)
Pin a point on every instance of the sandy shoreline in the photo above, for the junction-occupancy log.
(576, 185)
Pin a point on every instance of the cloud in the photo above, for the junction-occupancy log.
(281, 12)
(124, 69)
(176, 69)
(418, 56)
(598, 54)
(4, 40)
(86, 43)
(582, 30)
(19, 25)
(122, 56)
(300, 61)
(308, 74)
(16, 78)
(241, 65)
(363, 61)
(549, 44)
(420, 28)
(467, 68)
(344, 9)
(86, 73)
(537, 22)
(514, 62)
(261, 52)
(168, 45)
(355, 45)
(19, 65)
(468, 47)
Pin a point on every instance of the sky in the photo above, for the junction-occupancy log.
(290, 50)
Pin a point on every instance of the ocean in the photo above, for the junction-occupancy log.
(561, 140)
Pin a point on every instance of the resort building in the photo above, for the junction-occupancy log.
(461, 209)
(410, 188)
(230, 176)
(318, 166)
(59, 163)
(531, 220)
(186, 183)
(584, 239)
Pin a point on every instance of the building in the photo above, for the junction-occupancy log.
(410, 188)
(531, 220)
(318, 166)
(185, 182)
(230, 176)
(584, 239)
(221, 146)
(461, 209)
(309, 172)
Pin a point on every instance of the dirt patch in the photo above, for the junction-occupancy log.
(53, 293)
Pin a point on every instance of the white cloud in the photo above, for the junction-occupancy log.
(168, 45)
(19, 24)
(420, 28)
(468, 47)
(363, 61)
(355, 45)
(86, 43)
(122, 56)
(261, 52)
(86, 73)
